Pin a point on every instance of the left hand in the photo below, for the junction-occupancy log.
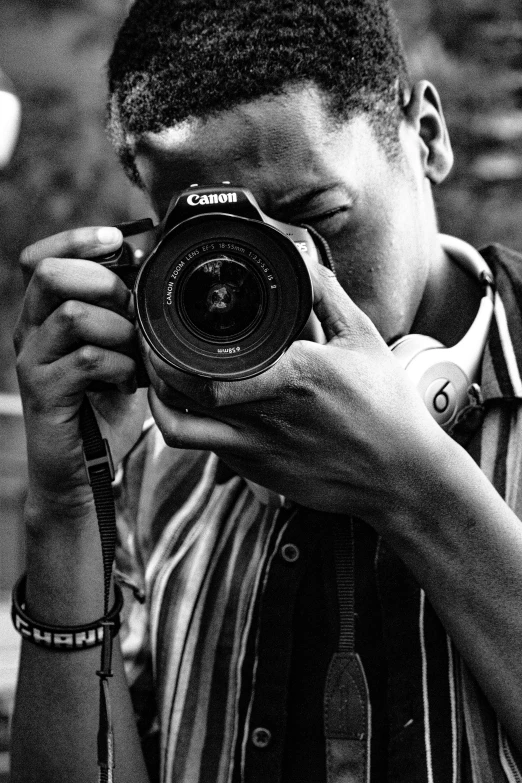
(335, 427)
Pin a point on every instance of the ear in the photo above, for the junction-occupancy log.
(423, 112)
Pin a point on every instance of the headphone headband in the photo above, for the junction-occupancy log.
(443, 375)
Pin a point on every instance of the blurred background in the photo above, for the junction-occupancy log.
(63, 173)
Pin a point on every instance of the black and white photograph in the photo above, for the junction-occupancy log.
(261, 391)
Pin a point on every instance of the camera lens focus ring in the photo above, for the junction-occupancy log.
(223, 296)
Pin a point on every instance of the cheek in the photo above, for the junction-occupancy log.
(380, 265)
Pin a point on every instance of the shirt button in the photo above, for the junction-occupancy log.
(261, 737)
(290, 553)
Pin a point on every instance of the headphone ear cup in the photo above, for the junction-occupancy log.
(441, 383)
(411, 345)
(443, 375)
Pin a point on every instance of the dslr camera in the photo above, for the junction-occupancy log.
(226, 288)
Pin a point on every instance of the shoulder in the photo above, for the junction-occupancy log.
(506, 265)
(504, 350)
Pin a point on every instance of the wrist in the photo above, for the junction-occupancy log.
(46, 509)
(65, 579)
(63, 637)
(447, 496)
(433, 479)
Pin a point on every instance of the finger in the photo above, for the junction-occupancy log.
(189, 431)
(76, 323)
(175, 399)
(209, 393)
(340, 318)
(237, 415)
(55, 280)
(71, 375)
(77, 243)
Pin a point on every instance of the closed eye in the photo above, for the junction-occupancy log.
(332, 219)
(325, 215)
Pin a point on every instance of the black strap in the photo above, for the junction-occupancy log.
(323, 247)
(347, 712)
(344, 572)
(100, 473)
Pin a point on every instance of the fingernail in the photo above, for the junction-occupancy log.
(108, 235)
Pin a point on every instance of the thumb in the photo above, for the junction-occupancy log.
(338, 314)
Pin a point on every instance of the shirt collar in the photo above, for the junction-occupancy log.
(502, 363)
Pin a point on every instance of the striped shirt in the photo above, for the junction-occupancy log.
(231, 617)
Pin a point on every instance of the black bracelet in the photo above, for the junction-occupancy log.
(63, 638)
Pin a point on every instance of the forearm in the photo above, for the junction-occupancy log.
(56, 713)
(464, 546)
(75, 329)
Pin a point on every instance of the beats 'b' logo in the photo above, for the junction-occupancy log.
(440, 398)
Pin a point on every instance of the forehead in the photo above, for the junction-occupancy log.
(278, 147)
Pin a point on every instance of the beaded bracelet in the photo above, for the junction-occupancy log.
(64, 638)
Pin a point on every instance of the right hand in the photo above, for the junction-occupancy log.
(75, 328)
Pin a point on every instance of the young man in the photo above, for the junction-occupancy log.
(244, 597)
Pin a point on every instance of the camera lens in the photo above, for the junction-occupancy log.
(221, 298)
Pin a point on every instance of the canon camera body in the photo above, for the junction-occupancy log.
(226, 288)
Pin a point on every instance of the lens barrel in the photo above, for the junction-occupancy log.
(223, 296)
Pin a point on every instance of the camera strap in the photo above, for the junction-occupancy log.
(100, 472)
(323, 247)
(347, 710)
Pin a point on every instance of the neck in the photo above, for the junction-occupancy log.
(450, 301)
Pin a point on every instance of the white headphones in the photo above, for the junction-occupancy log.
(443, 376)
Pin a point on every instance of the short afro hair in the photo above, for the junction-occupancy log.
(180, 59)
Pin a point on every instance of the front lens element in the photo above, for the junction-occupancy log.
(221, 298)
